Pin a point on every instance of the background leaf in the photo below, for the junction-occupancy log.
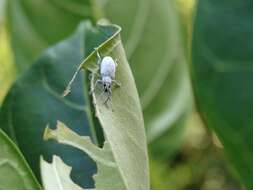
(152, 35)
(222, 77)
(38, 92)
(35, 25)
(15, 174)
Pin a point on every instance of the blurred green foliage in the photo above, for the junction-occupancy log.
(7, 66)
(199, 164)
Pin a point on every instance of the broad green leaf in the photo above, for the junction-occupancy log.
(35, 25)
(35, 100)
(15, 174)
(152, 34)
(222, 76)
(122, 162)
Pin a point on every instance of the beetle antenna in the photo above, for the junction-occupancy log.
(98, 55)
(116, 61)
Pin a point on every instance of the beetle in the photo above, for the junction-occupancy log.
(107, 69)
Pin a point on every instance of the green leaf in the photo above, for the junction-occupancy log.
(35, 100)
(152, 34)
(15, 174)
(122, 163)
(222, 77)
(36, 25)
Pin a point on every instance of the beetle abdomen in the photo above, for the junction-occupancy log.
(107, 67)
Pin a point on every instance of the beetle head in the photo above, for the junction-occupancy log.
(107, 81)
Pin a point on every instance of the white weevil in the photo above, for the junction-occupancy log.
(107, 75)
(107, 67)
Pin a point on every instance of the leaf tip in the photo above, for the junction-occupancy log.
(60, 125)
(66, 91)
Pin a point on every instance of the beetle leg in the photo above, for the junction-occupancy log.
(98, 55)
(106, 101)
(116, 62)
(109, 97)
(93, 74)
(92, 90)
(118, 84)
